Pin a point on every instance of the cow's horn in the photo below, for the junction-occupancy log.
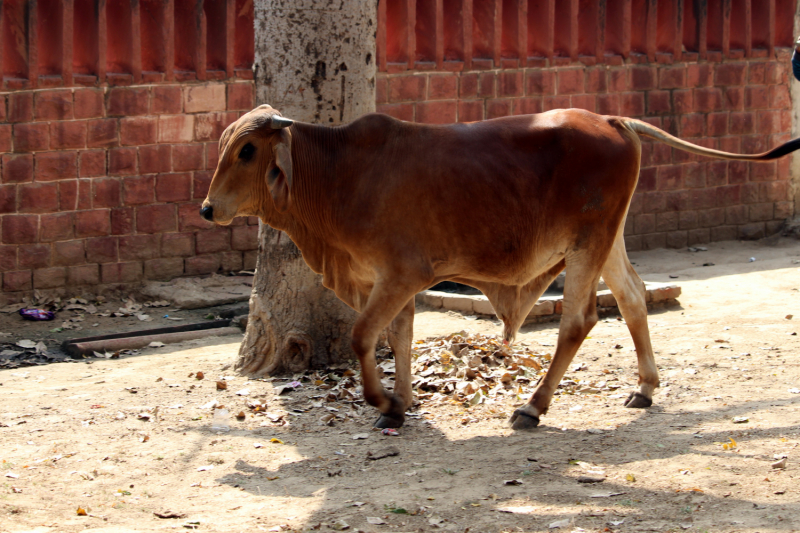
(279, 122)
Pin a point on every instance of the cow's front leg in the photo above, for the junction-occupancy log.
(401, 331)
(385, 302)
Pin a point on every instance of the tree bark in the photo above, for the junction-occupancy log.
(314, 62)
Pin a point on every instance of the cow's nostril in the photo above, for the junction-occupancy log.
(207, 213)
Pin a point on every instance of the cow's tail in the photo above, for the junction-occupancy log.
(648, 130)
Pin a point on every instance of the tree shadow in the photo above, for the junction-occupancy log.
(443, 481)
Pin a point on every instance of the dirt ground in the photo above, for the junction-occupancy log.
(71, 437)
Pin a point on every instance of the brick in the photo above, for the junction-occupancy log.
(175, 128)
(163, 268)
(138, 247)
(499, 108)
(240, 96)
(539, 82)
(139, 190)
(178, 244)
(121, 272)
(716, 173)
(138, 130)
(407, 88)
(32, 256)
(698, 75)
(156, 219)
(724, 233)
(5, 136)
(88, 103)
(687, 220)
(773, 191)
(155, 158)
(443, 87)
(20, 107)
(17, 168)
(677, 239)
(670, 178)
(667, 221)
(642, 77)
(106, 193)
(201, 181)
(203, 98)
(55, 166)
(672, 77)
(631, 104)
(584, 101)
(209, 126)
(654, 241)
(754, 231)
(608, 104)
(525, 106)
(470, 110)
(102, 250)
(645, 223)
(31, 137)
(188, 157)
(189, 217)
(64, 135)
(717, 124)
(174, 187)
(784, 210)
(18, 281)
(8, 258)
(244, 238)
(442, 112)
(779, 97)
(53, 105)
(694, 175)
(38, 198)
(94, 223)
(769, 122)
(595, 80)
(553, 102)
(510, 83)
(121, 161)
(128, 101)
(20, 229)
(699, 236)
(570, 81)
(658, 103)
(212, 155)
(68, 195)
(69, 253)
(166, 100)
(749, 193)
(202, 264)
(730, 74)
(653, 202)
(756, 97)
(761, 211)
(709, 218)
(734, 98)
(83, 275)
(399, 111)
(249, 260)
(486, 84)
(468, 86)
(757, 73)
(231, 261)
(217, 240)
(703, 198)
(381, 91)
(92, 163)
(102, 133)
(742, 123)
(8, 199)
(56, 227)
(707, 99)
(122, 221)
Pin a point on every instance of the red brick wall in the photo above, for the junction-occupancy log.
(714, 76)
(102, 186)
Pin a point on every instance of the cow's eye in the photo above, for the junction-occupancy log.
(247, 151)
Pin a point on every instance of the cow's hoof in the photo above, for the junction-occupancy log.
(522, 420)
(637, 400)
(390, 421)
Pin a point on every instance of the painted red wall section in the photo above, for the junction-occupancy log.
(715, 72)
(110, 112)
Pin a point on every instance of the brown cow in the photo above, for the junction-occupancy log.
(384, 209)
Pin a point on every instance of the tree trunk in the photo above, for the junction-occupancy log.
(313, 63)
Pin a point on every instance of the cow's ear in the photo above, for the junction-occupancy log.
(279, 176)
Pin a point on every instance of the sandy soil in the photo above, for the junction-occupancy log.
(71, 436)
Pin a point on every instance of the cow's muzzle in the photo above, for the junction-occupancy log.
(207, 213)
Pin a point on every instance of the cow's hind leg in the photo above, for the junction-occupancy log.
(401, 331)
(579, 315)
(385, 301)
(629, 291)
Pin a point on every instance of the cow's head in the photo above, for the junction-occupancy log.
(254, 173)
